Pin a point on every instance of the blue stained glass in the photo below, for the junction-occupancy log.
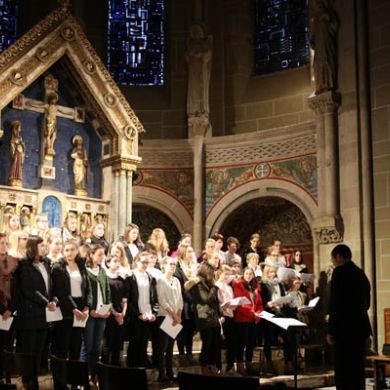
(281, 35)
(8, 15)
(136, 41)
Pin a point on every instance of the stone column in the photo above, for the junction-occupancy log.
(115, 205)
(122, 213)
(198, 149)
(328, 225)
(129, 200)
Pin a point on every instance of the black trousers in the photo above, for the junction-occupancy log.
(211, 346)
(32, 342)
(246, 338)
(138, 342)
(114, 334)
(165, 350)
(154, 336)
(186, 336)
(67, 339)
(6, 343)
(349, 357)
(229, 343)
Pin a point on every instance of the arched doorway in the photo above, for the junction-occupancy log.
(148, 218)
(274, 218)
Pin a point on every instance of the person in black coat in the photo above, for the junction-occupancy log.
(32, 292)
(142, 308)
(72, 288)
(349, 325)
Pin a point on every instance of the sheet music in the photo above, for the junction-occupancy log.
(6, 324)
(79, 324)
(104, 309)
(53, 316)
(310, 306)
(170, 329)
(265, 314)
(237, 302)
(283, 300)
(285, 323)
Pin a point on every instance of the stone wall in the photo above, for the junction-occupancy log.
(380, 95)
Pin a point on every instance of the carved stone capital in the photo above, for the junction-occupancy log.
(325, 102)
(329, 230)
(121, 164)
(198, 125)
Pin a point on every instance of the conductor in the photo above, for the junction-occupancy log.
(349, 326)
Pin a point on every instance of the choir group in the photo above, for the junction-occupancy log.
(82, 297)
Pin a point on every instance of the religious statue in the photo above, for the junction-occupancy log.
(17, 151)
(198, 57)
(25, 218)
(80, 166)
(50, 126)
(324, 26)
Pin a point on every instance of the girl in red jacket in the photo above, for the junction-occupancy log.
(245, 318)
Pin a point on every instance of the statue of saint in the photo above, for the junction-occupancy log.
(80, 166)
(324, 26)
(17, 151)
(198, 57)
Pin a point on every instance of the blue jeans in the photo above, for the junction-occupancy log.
(93, 337)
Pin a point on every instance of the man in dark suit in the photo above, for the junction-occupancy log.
(349, 326)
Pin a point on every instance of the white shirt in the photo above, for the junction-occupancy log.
(75, 283)
(45, 276)
(133, 250)
(169, 295)
(143, 292)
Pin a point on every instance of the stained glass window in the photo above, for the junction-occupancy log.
(136, 41)
(8, 14)
(281, 35)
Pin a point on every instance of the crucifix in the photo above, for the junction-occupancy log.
(51, 111)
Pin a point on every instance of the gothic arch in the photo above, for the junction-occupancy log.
(258, 189)
(165, 203)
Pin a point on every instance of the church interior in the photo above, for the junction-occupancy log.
(230, 117)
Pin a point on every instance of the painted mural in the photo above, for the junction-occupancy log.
(176, 182)
(221, 180)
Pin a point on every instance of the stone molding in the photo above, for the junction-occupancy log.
(325, 102)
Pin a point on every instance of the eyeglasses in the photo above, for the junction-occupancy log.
(23, 238)
(172, 264)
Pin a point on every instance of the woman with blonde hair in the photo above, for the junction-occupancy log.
(117, 251)
(187, 268)
(17, 244)
(11, 223)
(158, 242)
(70, 228)
(98, 230)
(54, 248)
(41, 225)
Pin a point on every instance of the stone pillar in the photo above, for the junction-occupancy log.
(328, 226)
(115, 205)
(129, 200)
(122, 213)
(198, 148)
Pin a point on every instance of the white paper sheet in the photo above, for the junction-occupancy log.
(310, 306)
(104, 309)
(306, 278)
(6, 324)
(53, 316)
(285, 274)
(237, 302)
(285, 323)
(169, 329)
(265, 314)
(283, 300)
(79, 324)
